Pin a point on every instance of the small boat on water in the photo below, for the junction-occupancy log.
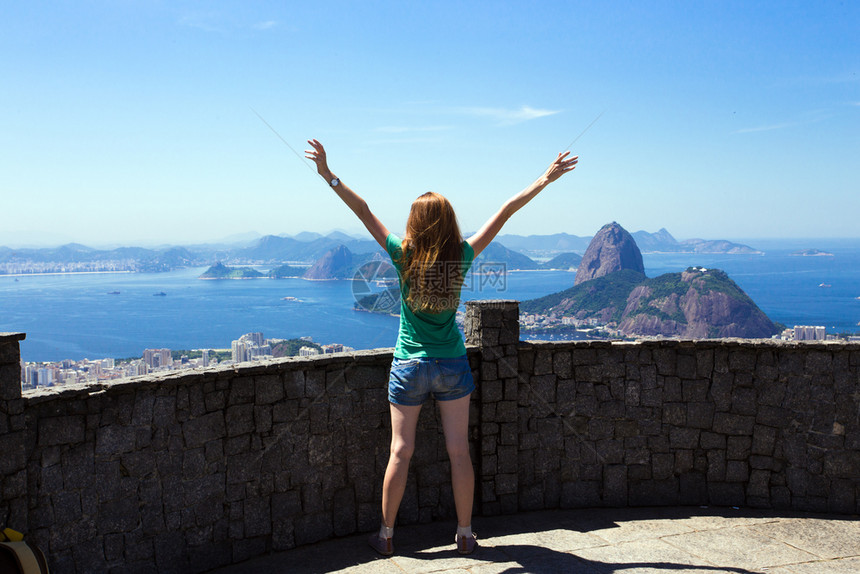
(159, 294)
(113, 292)
(289, 298)
(825, 285)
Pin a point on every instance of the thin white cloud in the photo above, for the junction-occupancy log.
(207, 22)
(214, 22)
(765, 128)
(405, 129)
(510, 116)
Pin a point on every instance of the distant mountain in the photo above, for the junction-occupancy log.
(286, 271)
(221, 271)
(611, 287)
(338, 263)
(612, 249)
(275, 249)
(696, 303)
(563, 261)
(543, 244)
(660, 241)
(663, 242)
(496, 253)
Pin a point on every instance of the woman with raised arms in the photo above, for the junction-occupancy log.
(430, 356)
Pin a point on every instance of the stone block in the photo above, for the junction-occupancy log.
(842, 464)
(744, 401)
(662, 465)
(121, 515)
(742, 360)
(506, 411)
(726, 493)
(818, 362)
(774, 417)
(199, 431)
(580, 494)
(700, 415)
(737, 471)
(654, 493)
(268, 389)
(507, 459)
(507, 367)
(732, 424)
(615, 485)
(506, 484)
(61, 430)
(716, 466)
(562, 364)
(241, 391)
(683, 438)
(738, 447)
(238, 420)
(687, 368)
(683, 461)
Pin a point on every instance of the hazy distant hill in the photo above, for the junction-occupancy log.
(276, 249)
(308, 247)
(662, 241)
(563, 261)
(497, 253)
(544, 244)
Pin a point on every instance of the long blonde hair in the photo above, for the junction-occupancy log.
(432, 255)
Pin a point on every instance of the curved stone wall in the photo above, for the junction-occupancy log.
(187, 472)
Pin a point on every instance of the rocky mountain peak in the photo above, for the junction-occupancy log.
(612, 249)
(337, 263)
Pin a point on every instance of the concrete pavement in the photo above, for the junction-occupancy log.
(597, 541)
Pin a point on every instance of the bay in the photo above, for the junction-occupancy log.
(76, 317)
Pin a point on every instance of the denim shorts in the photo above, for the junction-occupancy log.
(412, 381)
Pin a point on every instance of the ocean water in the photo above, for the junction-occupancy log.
(76, 316)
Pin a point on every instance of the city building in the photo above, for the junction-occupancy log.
(809, 333)
(155, 358)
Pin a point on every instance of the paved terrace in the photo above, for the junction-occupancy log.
(599, 541)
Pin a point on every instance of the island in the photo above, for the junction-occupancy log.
(221, 271)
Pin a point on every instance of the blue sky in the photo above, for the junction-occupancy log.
(132, 121)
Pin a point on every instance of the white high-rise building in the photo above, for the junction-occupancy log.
(809, 333)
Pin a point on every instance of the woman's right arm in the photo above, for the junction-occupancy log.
(491, 228)
(349, 197)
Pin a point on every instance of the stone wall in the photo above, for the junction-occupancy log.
(732, 423)
(186, 472)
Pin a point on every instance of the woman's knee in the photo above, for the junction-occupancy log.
(458, 449)
(402, 451)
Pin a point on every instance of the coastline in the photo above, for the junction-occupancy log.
(63, 273)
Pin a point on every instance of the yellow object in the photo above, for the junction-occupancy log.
(11, 535)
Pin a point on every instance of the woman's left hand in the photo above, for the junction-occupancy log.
(560, 166)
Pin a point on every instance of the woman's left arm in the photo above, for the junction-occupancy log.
(349, 197)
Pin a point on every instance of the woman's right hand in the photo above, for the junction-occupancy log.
(317, 155)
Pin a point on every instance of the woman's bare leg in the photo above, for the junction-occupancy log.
(404, 420)
(455, 424)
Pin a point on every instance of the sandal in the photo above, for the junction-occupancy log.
(466, 544)
(384, 546)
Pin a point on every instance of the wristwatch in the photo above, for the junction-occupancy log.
(334, 182)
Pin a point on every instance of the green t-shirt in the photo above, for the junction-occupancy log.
(426, 334)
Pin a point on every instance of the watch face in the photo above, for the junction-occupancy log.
(334, 182)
